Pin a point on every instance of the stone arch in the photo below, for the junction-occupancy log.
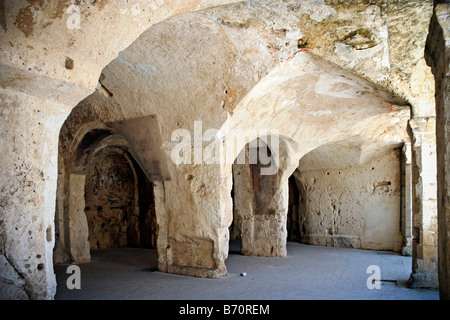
(94, 144)
(304, 79)
(311, 102)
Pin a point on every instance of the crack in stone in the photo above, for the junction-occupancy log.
(20, 274)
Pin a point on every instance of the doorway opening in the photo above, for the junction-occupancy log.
(293, 216)
(105, 200)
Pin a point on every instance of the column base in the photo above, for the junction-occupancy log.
(423, 281)
(197, 272)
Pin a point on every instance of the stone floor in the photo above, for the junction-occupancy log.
(307, 273)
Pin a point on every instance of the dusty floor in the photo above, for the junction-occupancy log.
(308, 273)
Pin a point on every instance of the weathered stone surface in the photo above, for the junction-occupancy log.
(38, 37)
(12, 284)
(306, 83)
(213, 99)
(46, 68)
(259, 208)
(437, 54)
(29, 132)
(424, 203)
(110, 208)
(322, 72)
(355, 206)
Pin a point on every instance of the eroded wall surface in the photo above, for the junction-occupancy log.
(351, 207)
(46, 68)
(437, 53)
(200, 67)
(193, 67)
(110, 202)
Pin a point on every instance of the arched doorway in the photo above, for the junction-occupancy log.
(108, 200)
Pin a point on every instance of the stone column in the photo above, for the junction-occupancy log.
(424, 206)
(438, 57)
(263, 226)
(261, 203)
(29, 131)
(78, 225)
(407, 201)
(199, 210)
(162, 221)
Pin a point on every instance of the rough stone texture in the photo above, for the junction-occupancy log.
(110, 194)
(234, 48)
(258, 202)
(106, 201)
(27, 189)
(413, 80)
(353, 207)
(41, 41)
(424, 203)
(407, 218)
(202, 66)
(12, 285)
(437, 53)
(382, 41)
(46, 68)
(77, 222)
(307, 83)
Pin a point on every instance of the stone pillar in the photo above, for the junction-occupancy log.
(438, 58)
(199, 209)
(407, 201)
(29, 132)
(261, 204)
(78, 225)
(162, 221)
(424, 206)
(263, 227)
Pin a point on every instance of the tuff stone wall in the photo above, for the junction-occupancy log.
(242, 46)
(352, 207)
(259, 204)
(193, 67)
(110, 202)
(119, 204)
(437, 54)
(424, 203)
(29, 133)
(46, 68)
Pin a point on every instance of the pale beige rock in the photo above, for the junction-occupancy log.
(46, 68)
(323, 73)
(437, 53)
(356, 206)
